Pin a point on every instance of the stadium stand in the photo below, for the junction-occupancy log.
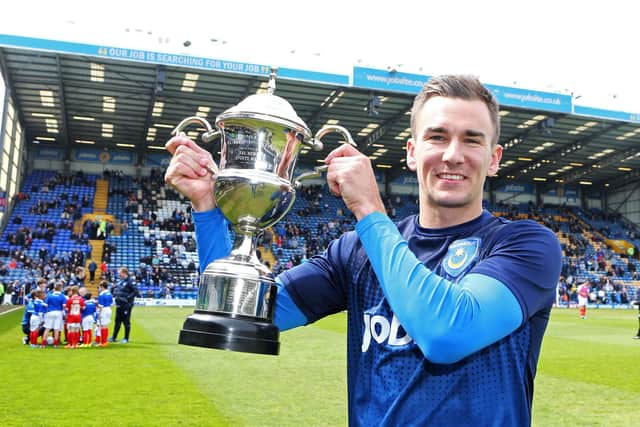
(53, 229)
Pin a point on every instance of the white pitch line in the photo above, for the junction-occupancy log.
(13, 309)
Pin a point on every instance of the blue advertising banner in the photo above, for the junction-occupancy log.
(164, 58)
(49, 153)
(112, 157)
(568, 194)
(371, 78)
(607, 114)
(524, 98)
(87, 155)
(571, 194)
(406, 179)
(517, 188)
(157, 159)
(313, 76)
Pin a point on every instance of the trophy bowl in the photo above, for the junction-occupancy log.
(254, 189)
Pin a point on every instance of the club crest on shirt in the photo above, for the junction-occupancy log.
(460, 255)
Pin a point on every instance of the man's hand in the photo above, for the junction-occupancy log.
(351, 177)
(188, 173)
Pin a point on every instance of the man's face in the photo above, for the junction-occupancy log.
(452, 153)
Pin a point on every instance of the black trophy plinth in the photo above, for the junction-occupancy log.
(238, 333)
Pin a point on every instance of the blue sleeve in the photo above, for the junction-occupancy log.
(448, 321)
(318, 287)
(528, 260)
(287, 314)
(212, 236)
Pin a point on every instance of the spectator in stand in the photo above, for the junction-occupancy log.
(101, 232)
(92, 270)
(78, 278)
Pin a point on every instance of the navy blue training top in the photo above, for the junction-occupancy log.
(390, 380)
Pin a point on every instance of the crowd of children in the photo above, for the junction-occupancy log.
(75, 311)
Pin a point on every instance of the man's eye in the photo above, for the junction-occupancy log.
(435, 138)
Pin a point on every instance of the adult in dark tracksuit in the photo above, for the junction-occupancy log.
(124, 294)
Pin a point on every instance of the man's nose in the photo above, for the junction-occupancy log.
(454, 151)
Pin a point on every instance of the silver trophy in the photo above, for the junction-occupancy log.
(254, 188)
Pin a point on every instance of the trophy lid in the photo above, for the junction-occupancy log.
(267, 107)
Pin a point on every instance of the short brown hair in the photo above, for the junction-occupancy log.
(460, 86)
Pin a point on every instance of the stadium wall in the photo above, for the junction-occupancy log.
(86, 167)
(12, 152)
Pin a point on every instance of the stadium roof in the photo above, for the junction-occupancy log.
(69, 99)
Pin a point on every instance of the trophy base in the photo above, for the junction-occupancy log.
(203, 329)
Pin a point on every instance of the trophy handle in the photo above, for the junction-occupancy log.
(208, 136)
(315, 173)
(317, 144)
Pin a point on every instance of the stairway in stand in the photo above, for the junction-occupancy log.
(97, 248)
(267, 256)
(100, 199)
(101, 196)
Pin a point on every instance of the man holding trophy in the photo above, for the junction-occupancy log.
(446, 309)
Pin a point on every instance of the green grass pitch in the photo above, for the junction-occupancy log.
(589, 375)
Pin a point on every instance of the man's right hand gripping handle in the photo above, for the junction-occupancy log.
(191, 172)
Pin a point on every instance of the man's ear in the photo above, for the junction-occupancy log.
(494, 163)
(411, 160)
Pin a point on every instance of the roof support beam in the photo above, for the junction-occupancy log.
(384, 128)
(63, 113)
(504, 172)
(380, 132)
(622, 181)
(248, 89)
(573, 176)
(627, 197)
(313, 119)
(157, 88)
